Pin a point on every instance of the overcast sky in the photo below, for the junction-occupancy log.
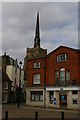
(58, 26)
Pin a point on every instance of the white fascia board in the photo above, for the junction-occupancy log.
(64, 88)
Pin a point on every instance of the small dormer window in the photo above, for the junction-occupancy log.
(62, 57)
(37, 65)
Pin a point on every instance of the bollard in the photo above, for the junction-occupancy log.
(62, 115)
(6, 115)
(36, 115)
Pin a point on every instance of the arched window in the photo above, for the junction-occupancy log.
(62, 76)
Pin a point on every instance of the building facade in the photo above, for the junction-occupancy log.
(35, 71)
(52, 79)
(6, 88)
(62, 78)
(14, 72)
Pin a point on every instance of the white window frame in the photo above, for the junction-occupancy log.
(36, 64)
(62, 57)
(36, 79)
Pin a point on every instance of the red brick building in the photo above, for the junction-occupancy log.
(52, 79)
(66, 58)
(63, 78)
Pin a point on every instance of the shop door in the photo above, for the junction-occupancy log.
(63, 100)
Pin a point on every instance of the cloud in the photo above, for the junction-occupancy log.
(58, 25)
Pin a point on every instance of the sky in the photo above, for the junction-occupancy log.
(58, 26)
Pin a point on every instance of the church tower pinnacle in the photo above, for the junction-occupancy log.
(37, 33)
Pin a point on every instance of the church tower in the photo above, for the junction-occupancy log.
(36, 51)
(37, 33)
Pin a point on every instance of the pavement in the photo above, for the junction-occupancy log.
(39, 108)
(29, 112)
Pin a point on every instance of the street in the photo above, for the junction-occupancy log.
(29, 112)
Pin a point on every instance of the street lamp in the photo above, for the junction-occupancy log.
(20, 64)
(19, 88)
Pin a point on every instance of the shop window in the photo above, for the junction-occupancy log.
(36, 79)
(37, 65)
(36, 95)
(74, 92)
(51, 96)
(74, 100)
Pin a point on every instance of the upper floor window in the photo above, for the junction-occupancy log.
(62, 57)
(36, 79)
(6, 85)
(67, 77)
(56, 77)
(62, 76)
(37, 65)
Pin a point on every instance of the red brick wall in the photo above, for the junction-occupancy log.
(72, 64)
(31, 71)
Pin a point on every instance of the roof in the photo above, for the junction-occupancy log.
(76, 50)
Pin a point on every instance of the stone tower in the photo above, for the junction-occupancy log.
(36, 51)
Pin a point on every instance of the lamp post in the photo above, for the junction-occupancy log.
(19, 88)
(20, 64)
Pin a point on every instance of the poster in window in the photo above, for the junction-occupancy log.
(32, 97)
(36, 97)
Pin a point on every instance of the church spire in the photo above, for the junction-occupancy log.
(37, 34)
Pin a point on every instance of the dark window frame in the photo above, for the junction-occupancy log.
(39, 93)
(51, 94)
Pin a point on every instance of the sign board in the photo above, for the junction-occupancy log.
(62, 97)
(54, 101)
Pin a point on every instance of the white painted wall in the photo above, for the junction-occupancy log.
(33, 103)
(10, 70)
